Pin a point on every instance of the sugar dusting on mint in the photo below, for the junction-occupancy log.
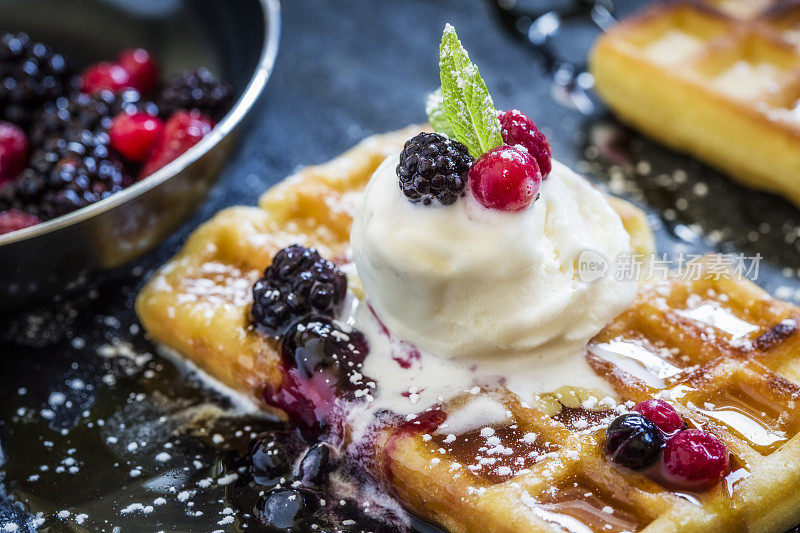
(434, 108)
(467, 103)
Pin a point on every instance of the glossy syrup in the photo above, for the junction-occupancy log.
(748, 417)
(712, 314)
(581, 506)
(496, 453)
(654, 366)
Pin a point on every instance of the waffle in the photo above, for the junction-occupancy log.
(719, 79)
(721, 350)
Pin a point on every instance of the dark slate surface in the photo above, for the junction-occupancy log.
(345, 70)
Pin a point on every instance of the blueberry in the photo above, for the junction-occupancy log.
(633, 441)
(283, 508)
(272, 455)
(315, 465)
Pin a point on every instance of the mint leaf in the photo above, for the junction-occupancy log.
(467, 103)
(434, 107)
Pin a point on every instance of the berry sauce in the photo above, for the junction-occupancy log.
(320, 365)
(289, 486)
(321, 380)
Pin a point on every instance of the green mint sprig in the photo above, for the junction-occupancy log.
(467, 104)
(434, 108)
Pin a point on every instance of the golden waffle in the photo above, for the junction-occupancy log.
(719, 79)
(721, 351)
(711, 347)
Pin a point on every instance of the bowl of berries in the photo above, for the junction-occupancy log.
(110, 139)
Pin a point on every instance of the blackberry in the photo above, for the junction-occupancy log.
(196, 89)
(433, 167)
(318, 345)
(31, 74)
(71, 165)
(65, 175)
(81, 114)
(298, 283)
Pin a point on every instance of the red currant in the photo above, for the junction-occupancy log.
(141, 67)
(694, 459)
(134, 135)
(105, 76)
(662, 414)
(519, 130)
(505, 178)
(183, 130)
(14, 219)
(13, 151)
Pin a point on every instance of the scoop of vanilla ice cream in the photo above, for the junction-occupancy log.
(467, 281)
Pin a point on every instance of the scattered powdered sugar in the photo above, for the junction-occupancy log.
(481, 411)
(227, 479)
(137, 507)
(163, 457)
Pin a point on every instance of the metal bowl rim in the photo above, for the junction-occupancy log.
(271, 12)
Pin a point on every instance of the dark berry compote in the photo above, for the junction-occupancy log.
(69, 139)
(296, 304)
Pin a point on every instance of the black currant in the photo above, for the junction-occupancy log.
(633, 441)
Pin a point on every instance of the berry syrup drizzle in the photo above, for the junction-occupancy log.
(405, 358)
